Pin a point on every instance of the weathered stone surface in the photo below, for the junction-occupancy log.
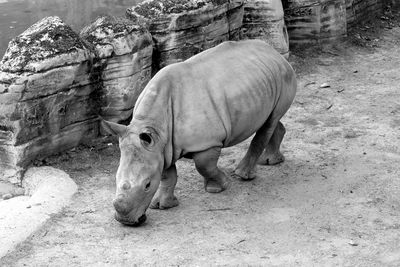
(264, 19)
(362, 10)
(183, 28)
(391, 3)
(315, 21)
(48, 100)
(45, 45)
(123, 58)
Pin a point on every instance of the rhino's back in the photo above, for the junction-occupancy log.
(223, 95)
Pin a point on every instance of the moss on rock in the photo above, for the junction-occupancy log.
(157, 8)
(109, 28)
(45, 39)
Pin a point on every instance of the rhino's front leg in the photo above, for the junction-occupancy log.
(165, 198)
(215, 180)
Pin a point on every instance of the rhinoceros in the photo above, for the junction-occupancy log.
(193, 109)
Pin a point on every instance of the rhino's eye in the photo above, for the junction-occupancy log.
(145, 138)
(147, 186)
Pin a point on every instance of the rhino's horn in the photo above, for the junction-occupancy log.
(113, 128)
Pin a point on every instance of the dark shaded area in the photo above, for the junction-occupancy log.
(368, 34)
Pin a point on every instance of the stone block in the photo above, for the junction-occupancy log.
(358, 11)
(123, 62)
(264, 19)
(315, 21)
(48, 98)
(183, 28)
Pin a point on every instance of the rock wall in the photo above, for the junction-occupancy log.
(264, 19)
(326, 21)
(362, 10)
(391, 3)
(183, 28)
(123, 60)
(315, 21)
(48, 101)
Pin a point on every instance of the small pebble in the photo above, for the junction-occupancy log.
(7, 196)
(352, 243)
(324, 85)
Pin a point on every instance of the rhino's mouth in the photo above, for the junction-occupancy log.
(127, 221)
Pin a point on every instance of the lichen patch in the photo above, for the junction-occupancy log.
(157, 8)
(45, 39)
(108, 28)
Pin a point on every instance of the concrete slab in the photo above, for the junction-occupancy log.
(8, 189)
(47, 191)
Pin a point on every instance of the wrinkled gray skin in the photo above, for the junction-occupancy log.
(192, 109)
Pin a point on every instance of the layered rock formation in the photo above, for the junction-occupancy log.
(48, 102)
(362, 10)
(183, 28)
(123, 63)
(315, 21)
(264, 19)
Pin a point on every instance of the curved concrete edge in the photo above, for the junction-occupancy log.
(47, 191)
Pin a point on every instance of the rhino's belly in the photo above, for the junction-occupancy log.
(223, 126)
(245, 124)
(222, 118)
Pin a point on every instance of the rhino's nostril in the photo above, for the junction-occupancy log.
(126, 186)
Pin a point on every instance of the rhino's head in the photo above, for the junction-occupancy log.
(139, 172)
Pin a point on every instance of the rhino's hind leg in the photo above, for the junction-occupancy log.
(215, 180)
(246, 168)
(272, 154)
(165, 198)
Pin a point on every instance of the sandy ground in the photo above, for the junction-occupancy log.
(335, 201)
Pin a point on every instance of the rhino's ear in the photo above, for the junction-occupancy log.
(113, 128)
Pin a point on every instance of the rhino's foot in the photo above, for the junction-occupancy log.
(163, 203)
(271, 159)
(245, 174)
(216, 186)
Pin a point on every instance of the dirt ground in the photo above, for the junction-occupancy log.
(335, 201)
